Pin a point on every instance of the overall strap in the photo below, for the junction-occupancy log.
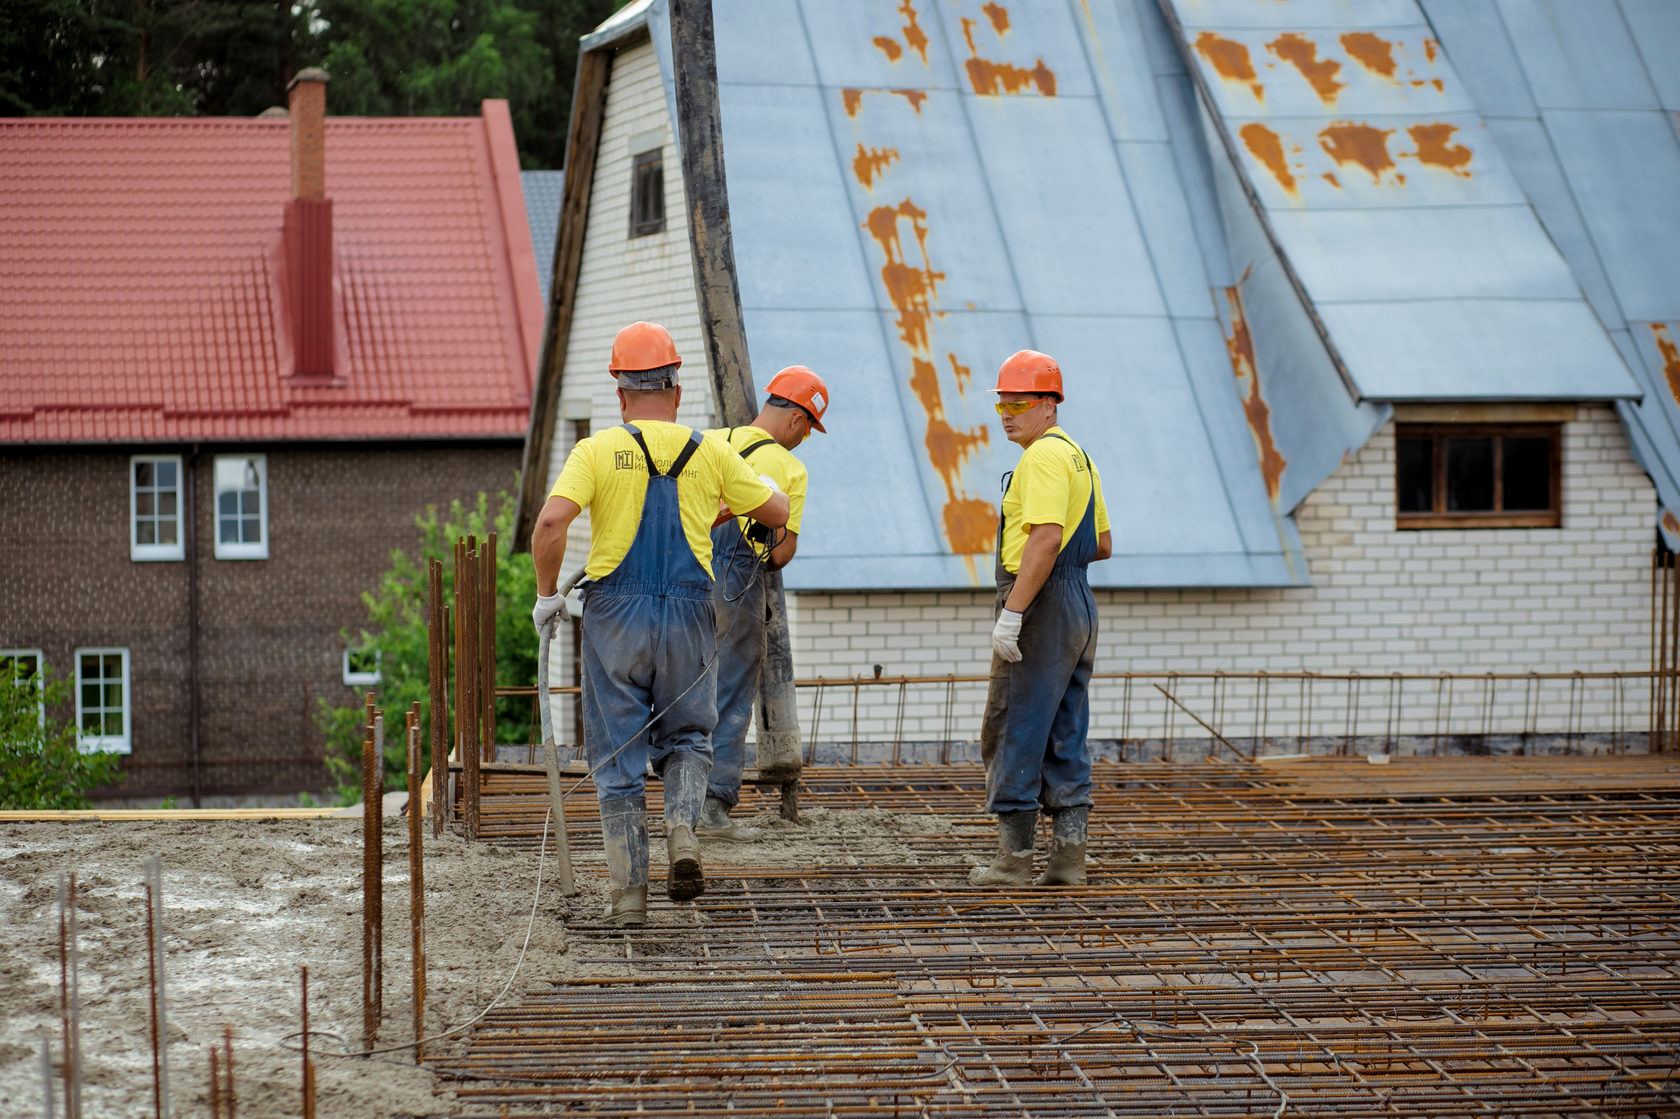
(647, 455)
(687, 453)
(1071, 443)
(747, 452)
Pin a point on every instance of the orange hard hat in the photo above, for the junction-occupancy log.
(1030, 371)
(804, 388)
(641, 346)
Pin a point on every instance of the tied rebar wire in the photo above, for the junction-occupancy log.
(1255, 940)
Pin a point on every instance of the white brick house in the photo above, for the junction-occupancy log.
(1357, 593)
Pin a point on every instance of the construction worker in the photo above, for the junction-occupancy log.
(649, 647)
(1043, 644)
(742, 551)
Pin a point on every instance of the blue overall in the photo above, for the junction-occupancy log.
(1038, 709)
(739, 600)
(648, 633)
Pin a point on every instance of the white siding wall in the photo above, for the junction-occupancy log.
(1382, 601)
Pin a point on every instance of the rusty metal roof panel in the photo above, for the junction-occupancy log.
(1394, 210)
(918, 189)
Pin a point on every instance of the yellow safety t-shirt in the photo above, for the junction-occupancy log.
(772, 459)
(607, 474)
(1050, 486)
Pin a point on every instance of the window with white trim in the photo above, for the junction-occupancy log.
(241, 506)
(155, 530)
(361, 667)
(102, 700)
(22, 667)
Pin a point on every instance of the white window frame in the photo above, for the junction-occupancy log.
(108, 743)
(146, 553)
(40, 682)
(257, 550)
(355, 679)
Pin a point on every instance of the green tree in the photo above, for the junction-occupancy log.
(40, 763)
(397, 632)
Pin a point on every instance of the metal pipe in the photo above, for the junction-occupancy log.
(551, 759)
(191, 496)
(154, 873)
(46, 1079)
(152, 987)
(416, 882)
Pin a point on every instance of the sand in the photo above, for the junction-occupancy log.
(249, 903)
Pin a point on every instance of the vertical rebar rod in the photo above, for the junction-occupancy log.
(438, 710)
(1651, 738)
(215, 1086)
(487, 645)
(46, 1079)
(1660, 731)
(466, 702)
(154, 871)
(151, 984)
(816, 723)
(416, 882)
(308, 1069)
(229, 1095)
(372, 889)
(1671, 708)
(70, 974)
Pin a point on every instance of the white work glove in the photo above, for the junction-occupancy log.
(543, 614)
(771, 482)
(1006, 634)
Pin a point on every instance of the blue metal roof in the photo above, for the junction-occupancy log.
(1237, 265)
(1583, 97)
(542, 210)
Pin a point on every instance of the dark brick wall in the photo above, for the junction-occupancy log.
(269, 642)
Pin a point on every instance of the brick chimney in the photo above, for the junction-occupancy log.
(307, 233)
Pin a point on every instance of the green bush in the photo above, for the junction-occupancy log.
(41, 765)
(397, 631)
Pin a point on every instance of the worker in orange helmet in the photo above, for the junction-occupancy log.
(744, 550)
(1033, 740)
(649, 649)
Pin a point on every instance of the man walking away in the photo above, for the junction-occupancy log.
(742, 551)
(652, 488)
(1033, 740)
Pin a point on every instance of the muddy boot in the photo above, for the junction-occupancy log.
(716, 824)
(1067, 848)
(624, 830)
(1013, 865)
(685, 788)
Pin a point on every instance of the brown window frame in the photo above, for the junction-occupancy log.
(647, 200)
(1439, 517)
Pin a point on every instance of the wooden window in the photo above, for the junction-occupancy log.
(102, 700)
(647, 195)
(1478, 476)
(154, 508)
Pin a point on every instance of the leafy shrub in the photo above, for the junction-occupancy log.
(41, 764)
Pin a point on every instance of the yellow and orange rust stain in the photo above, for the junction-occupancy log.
(1230, 61)
(853, 98)
(1440, 86)
(1302, 53)
(914, 96)
(961, 373)
(910, 289)
(1434, 148)
(889, 47)
(999, 15)
(1330, 177)
(1671, 357)
(1265, 146)
(1671, 523)
(1431, 49)
(1373, 52)
(914, 36)
(990, 78)
(869, 163)
(1241, 348)
(1346, 142)
(971, 529)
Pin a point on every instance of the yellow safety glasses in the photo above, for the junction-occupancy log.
(1015, 407)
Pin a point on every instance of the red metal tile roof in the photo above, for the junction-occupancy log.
(138, 300)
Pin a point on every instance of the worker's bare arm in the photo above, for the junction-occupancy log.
(1105, 545)
(773, 512)
(1037, 558)
(548, 541)
(783, 551)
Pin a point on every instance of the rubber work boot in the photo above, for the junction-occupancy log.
(714, 820)
(624, 831)
(1067, 848)
(1013, 865)
(685, 788)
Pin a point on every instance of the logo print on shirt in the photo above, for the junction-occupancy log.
(624, 460)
